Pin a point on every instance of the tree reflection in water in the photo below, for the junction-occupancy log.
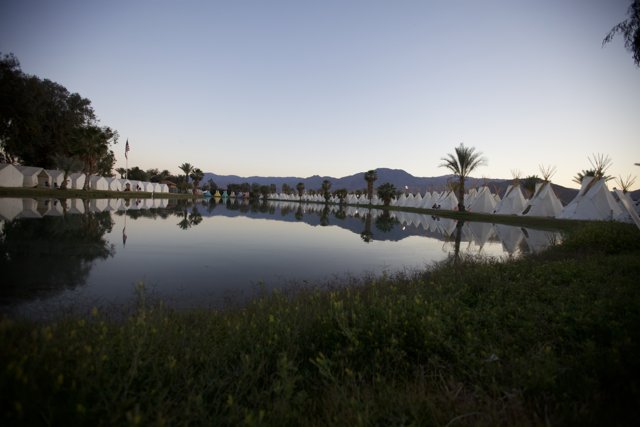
(457, 240)
(386, 222)
(367, 235)
(191, 216)
(57, 251)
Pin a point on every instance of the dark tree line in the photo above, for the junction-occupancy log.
(43, 124)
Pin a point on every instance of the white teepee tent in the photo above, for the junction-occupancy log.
(483, 202)
(513, 202)
(448, 201)
(544, 202)
(594, 202)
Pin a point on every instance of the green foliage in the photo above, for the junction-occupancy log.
(186, 168)
(630, 30)
(465, 161)
(529, 183)
(342, 194)
(602, 237)
(370, 176)
(387, 192)
(326, 187)
(137, 174)
(40, 119)
(67, 165)
(196, 176)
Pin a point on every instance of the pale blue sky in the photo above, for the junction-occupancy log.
(280, 88)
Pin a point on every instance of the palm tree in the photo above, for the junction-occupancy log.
(630, 30)
(187, 168)
(529, 184)
(462, 164)
(67, 165)
(386, 192)
(366, 234)
(342, 194)
(196, 175)
(300, 188)
(326, 186)
(370, 176)
(121, 171)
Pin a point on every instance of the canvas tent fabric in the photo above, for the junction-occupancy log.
(76, 181)
(544, 203)
(629, 208)
(483, 202)
(448, 201)
(114, 184)
(44, 179)
(98, 183)
(10, 207)
(10, 176)
(427, 201)
(56, 177)
(29, 175)
(513, 202)
(470, 197)
(125, 184)
(593, 202)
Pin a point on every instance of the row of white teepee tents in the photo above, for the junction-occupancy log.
(594, 201)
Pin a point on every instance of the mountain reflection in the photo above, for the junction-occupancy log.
(389, 225)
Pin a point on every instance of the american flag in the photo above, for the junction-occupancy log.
(126, 149)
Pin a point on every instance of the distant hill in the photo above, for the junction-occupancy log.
(398, 177)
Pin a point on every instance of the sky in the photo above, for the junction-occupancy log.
(333, 88)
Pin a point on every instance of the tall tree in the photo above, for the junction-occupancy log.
(196, 175)
(67, 165)
(630, 30)
(465, 161)
(187, 168)
(137, 174)
(326, 186)
(121, 171)
(370, 176)
(40, 118)
(93, 150)
(300, 188)
(387, 192)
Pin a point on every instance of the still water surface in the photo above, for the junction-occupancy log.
(55, 254)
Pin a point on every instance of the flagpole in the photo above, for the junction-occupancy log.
(126, 156)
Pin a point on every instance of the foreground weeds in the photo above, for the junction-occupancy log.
(548, 339)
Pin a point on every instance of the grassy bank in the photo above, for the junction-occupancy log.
(550, 339)
(86, 194)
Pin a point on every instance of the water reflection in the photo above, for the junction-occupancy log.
(40, 255)
(101, 247)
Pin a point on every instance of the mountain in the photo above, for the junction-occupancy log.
(398, 177)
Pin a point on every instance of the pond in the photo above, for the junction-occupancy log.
(56, 254)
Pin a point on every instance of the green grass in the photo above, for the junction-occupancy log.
(552, 339)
